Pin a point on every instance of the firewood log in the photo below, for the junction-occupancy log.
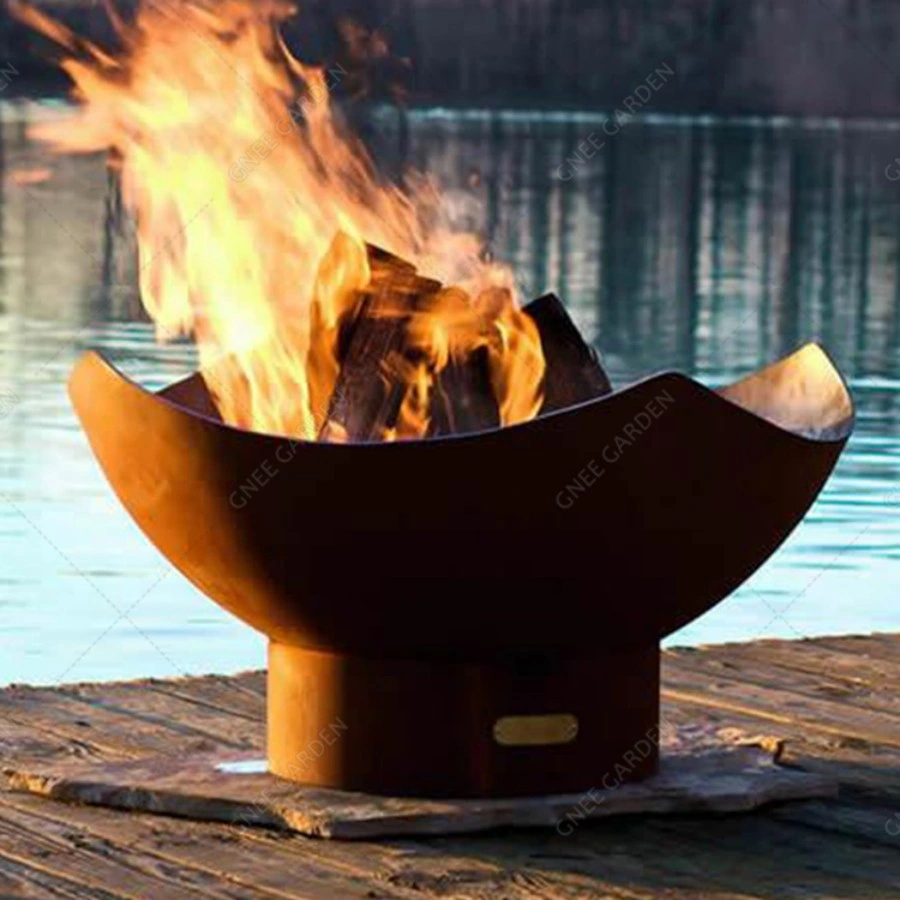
(463, 398)
(369, 389)
(573, 374)
(377, 356)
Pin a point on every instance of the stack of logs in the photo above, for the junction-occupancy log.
(366, 402)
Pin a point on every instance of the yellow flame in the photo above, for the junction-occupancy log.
(253, 203)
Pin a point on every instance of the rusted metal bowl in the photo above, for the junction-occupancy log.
(481, 612)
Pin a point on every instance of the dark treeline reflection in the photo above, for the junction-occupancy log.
(762, 56)
(707, 247)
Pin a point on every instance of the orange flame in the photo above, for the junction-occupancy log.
(253, 204)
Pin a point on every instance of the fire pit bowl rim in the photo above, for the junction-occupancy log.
(735, 394)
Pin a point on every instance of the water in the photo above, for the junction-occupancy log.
(702, 245)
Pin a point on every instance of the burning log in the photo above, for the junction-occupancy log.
(377, 354)
(382, 261)
(573, 372)
(463, 398)
(336, 298)
(373, 352)
(395, 382)
(384, 267)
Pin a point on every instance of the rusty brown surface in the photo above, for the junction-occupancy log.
(592, 531)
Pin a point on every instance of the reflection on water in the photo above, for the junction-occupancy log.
(709, 247)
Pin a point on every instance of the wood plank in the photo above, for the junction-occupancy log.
(214, 692)
(12, 884)
(872, 646)
(90, 862)
(703, 688)
(252, 682)
(20, 879)
(626, 865)
(169, 712)
(124, 728)
(804, 858)
(471, 867)
(812, 657)
(212, 854)
(766, 672)
(621, 856)
(21, 740)
(69, 731)
(868, 822)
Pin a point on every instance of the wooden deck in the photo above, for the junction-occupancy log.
(836, 700)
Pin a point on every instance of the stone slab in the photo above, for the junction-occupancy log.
(701, 771)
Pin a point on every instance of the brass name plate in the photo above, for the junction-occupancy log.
(536, 731)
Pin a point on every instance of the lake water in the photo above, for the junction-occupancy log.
(706, 246)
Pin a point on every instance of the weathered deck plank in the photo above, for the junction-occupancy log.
(834, 700)
(855, 670)
(777, 705)
(772, 671)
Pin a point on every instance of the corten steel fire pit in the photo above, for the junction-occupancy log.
(481, 613)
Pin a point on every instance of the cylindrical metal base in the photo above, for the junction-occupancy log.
(462, 729)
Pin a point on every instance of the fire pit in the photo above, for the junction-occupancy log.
(480, 615)
(464, 548)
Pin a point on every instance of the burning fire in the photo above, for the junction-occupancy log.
(254, 206)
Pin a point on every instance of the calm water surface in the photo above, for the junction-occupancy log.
(710, 247)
